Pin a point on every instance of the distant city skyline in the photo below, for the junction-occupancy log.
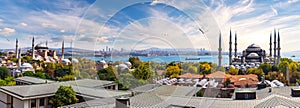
(146, 24)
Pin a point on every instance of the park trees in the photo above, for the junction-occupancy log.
(143, 71)
(232, 71)
(64, 96)
(173, 71)
(107, 74)
(135, 61)
(4, 72)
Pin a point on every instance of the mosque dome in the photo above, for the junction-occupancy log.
(41, 46)
(253, 55)
(253, 46)
(26, 65)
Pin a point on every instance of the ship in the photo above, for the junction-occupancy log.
(192, 58)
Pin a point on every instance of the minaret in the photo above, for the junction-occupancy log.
(32, 48)
(47, 43)
(19, 58)
(220, 50)
(275, 57)
(235, 45)
(270, 46)
(62, 50)
(230, 49)
(17, 44)
(278, 49)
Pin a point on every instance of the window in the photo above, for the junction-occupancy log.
(42, 101)
(33, 103)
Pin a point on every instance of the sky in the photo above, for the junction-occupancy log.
(141, 24)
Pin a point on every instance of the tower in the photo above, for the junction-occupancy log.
(270, 45)
(46, 43)
(17, 44)
(62, 49)
(19, 58)
(278, 49)
(275, 56)
(32, 48)
(235, 45)
(230, 49)
(220, 50)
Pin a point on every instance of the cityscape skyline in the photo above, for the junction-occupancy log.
(56, 21)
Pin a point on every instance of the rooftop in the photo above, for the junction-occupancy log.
(85, 87)
(33, 80)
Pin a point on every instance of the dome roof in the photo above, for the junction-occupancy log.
(253, 55)
(128, 63)
(122, 66)
(65, 60)
(253, 46)
(74, 60)
(26, 65)
(40, 46)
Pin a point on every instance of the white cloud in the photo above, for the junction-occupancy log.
(23, 24)
(7, 31)
(62, 30)
(49, 25)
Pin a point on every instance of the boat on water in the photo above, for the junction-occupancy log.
(192, 58)
(293, 56)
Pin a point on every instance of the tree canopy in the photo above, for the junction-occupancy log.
(107, 74)
(135, 61)
(64, 96)
(143, 71)
(4, 72)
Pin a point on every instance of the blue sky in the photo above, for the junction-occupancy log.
(140, 24)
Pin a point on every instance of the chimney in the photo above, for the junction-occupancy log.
(122, 102)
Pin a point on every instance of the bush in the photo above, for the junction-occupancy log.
(64, 96)
(67, 78)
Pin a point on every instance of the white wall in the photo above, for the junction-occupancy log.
(3, 98)
(18, 103)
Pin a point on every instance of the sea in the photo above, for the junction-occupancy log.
(182, 58)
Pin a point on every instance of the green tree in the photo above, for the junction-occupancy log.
(108, 73)
(272, 76)
(205, 68)
(4, 72)
(192, 69)
(143, 71)
(67, 78)
(233, 71)
(28, 73)
(293, 67)
(173, 71)
(282, 66)
(10, 81)
(227, 82)
(256, 71)
(40, 75)
(2, 82)
(135, 61)
(64, 96)
(127, 81)
(266, 67)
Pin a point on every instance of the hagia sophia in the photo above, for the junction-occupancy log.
(253, 55)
